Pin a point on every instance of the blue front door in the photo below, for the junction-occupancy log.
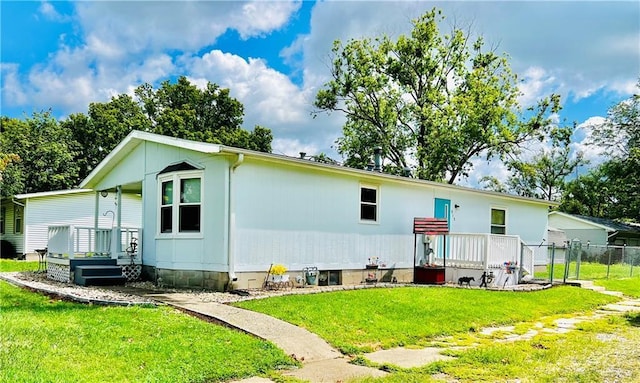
(442, 209)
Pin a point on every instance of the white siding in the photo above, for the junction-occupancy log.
(76, 209)
(579, 229)
(207, 252)
(298, 217)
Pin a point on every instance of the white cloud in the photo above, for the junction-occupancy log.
(12, 91)
(592, 153)
(293, 147)
(258, 18)
(481, 168)
(270, 100)
(142, 26)
(49, 12)
(270, 94)
(536, 84)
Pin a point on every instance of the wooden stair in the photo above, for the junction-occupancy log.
(98, 275)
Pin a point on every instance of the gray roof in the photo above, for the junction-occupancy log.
(613, 224)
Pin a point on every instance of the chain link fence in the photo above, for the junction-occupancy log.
(578, 260)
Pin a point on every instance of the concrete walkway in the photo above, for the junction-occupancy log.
(321, 362)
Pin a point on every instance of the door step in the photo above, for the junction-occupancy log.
(98, 275)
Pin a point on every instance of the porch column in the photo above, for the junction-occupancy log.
(96, 212)
(119, 218)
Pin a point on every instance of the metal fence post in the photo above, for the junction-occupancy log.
(609, 261)
(624, 246)
(579, 259)
(553, 260)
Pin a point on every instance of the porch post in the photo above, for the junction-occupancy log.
(96, 211)
(119, 218)
(487, 250)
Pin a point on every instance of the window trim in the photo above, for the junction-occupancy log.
(177, 177)
(376, 204)
(18, 219)
(492, 225)
(3, 219)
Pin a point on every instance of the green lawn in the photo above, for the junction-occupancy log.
(357, 321)
(591, 271)
(42, 340)
(601, 351)
(621, 277)
(11, 265)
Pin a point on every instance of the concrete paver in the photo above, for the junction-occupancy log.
(621, 307)
(407, 357)
(333, 370)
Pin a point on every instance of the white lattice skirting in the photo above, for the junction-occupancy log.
(60, 273)
(132, 272)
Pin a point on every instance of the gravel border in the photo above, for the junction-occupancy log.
(67, 291)
(142, 293)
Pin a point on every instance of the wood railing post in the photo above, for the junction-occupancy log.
(71, 243)
(487, 250)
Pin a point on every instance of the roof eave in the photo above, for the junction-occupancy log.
(371, 174)
(131, 141)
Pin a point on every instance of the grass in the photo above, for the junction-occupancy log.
(591, 271)
(43, 340)
(600, 351)
(628, 286)
(358, 321)
(621, 277)
(12, 265)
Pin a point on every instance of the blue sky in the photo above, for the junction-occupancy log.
(274, 56)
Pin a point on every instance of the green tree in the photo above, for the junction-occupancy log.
(45, 152)
(587, 195)
(182, 110)
(434, 100)
(620, 132)
(544, 175)
(612, 190)
(177, 110)
(102, 128)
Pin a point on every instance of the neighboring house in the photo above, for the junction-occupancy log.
(596, 231)
(215, 214)
(25, 218)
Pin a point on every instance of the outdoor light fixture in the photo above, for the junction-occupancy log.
(456, 206)
(104, 193)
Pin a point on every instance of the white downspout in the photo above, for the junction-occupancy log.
(232, 220)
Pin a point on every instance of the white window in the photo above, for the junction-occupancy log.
(17, 219)
(180, 202)
(3, 213)
(368, 203)
(498, 221)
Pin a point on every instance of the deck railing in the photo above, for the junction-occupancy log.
(484, 251)
(69, 241)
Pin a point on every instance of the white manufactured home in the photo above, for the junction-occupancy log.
(216, 217)
(27, 218)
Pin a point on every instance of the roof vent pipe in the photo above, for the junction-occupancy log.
(377, 159)
(370, 166)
